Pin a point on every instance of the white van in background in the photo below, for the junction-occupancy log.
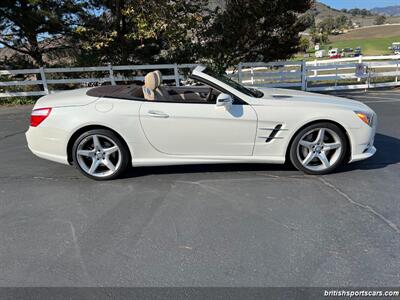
(320, 53)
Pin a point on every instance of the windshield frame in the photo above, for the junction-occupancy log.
(233, 84)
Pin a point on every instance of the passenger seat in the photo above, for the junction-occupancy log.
(152, 89)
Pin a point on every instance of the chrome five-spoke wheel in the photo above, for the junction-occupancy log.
(319, 148)
(99, 154)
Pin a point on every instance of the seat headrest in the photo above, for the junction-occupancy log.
(152, 81)
(159, 75)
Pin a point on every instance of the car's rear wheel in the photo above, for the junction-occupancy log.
(319, 148)
(100, 154)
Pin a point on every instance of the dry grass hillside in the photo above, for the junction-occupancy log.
(382, 31)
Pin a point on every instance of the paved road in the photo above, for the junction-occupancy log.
(232, 225)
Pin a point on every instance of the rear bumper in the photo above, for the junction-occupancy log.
(48, 143)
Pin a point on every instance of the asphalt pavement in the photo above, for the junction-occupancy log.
(210, 225)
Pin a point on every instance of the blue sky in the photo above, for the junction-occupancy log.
(360, 3)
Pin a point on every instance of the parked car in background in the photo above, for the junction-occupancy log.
(334, 53)
(357, 52)
(395, 48)
(347, 52)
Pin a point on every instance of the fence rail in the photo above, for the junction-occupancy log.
(319, 75)
(324, 75)
(42, 77)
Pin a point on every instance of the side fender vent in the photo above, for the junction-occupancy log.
(281, 96)
(273, 133)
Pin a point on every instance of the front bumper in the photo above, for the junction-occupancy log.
(362, 141)
(370, 151)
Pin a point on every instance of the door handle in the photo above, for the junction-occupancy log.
(157, 114)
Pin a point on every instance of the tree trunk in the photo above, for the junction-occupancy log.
(37, 56)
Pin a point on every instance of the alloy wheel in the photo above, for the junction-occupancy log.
(319, 149)
(98, 155)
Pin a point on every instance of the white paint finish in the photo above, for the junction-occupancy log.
(171, 160)
(188, 133)
(205, 128)
(104, 106)
(66, 98)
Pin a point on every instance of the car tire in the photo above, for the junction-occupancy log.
(100, 154)
(319, 148)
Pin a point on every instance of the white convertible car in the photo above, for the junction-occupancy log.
(104, 130)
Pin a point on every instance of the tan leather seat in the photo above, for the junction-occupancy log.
(152, 89)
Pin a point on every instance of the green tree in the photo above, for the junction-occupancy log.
(319, 38)
(341, 22)
(327, 25)
(380, 20)
(304, 44)
(137, 31)
(257, 30)
(28, 26)
(308, 19)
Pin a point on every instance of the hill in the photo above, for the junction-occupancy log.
(381, 31)
(323, 11)
(388, 11)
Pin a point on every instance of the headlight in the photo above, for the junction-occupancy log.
(366, 117)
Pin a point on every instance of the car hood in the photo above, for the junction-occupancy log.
(76, 97)
(311, 98)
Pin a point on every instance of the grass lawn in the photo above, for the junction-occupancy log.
(372, 46)
(12, 101)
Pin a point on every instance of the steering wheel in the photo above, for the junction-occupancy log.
(209, 95)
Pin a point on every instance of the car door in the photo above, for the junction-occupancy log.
(199, 129)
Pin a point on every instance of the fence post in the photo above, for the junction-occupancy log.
(397, 71)
(176, 73)
(111, 71)
(240, 75)
(315, 70)
(303, 76)
(360, 59)
(44, 81)
(336, 76)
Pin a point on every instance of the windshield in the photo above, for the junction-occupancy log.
(225, 79)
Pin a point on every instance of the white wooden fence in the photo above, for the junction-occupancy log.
(111, 74)
(322, 75)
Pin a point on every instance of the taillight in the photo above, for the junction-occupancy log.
(39, 115)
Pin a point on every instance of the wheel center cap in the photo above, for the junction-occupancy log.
(99, 154)
(318, 148)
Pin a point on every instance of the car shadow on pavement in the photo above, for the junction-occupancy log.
(204, 168)
(388, 153)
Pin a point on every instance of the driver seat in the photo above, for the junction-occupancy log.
(152, 89)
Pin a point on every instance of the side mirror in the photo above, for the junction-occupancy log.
(224, 100)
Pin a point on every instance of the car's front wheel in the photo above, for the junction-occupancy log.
(319, 148)
(100, 154)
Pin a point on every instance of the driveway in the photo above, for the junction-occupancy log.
(226, 225)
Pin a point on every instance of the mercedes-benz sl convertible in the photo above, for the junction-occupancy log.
(104, 130)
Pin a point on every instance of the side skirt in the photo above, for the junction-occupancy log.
(207, 160)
